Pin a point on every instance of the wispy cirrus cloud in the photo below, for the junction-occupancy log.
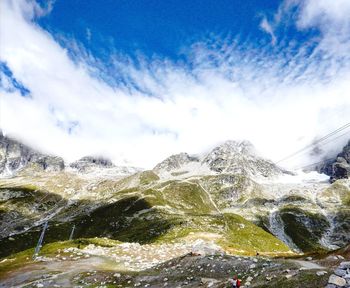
(142, 110)
(266, 27)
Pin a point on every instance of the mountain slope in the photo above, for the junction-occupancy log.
(338, 168)
(15, 156)
(152, 211)
(231, 157)
(183, 197)
(227, 201)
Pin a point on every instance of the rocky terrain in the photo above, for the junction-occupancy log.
(341, 276)
(15, 156)
(109, 264)
(338, 168)
(192, 221)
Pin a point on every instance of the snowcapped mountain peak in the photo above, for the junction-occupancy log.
(231, 157)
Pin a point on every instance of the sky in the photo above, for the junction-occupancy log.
(138, 81)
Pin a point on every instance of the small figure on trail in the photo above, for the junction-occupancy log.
(235, 282)
(194, 254)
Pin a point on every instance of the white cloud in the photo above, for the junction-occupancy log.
(279, 103)
(324, 13)
(266, 26)
(330, 18)
(88, 34)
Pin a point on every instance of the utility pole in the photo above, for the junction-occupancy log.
(71, 233)
(38, 246)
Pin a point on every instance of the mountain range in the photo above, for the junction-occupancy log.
(230, 198)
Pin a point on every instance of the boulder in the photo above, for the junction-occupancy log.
(336, 280)
(340, 272)
(344, 265)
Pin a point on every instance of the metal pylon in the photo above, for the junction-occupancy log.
(72, 233)
(41, 238)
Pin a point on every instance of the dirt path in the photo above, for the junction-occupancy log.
(307, 264)
(51, 270)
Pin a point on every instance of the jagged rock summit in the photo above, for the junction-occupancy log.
(338, 168)
(101, 167)
(15, 156)
(175, 162)
(231, 157)
(87, 162)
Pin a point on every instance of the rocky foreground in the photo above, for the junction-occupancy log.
(341, 276)
(104, 263)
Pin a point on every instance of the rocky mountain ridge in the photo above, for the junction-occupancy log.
(339, 167)
(16, 157)
(230, 157)
(229, 198)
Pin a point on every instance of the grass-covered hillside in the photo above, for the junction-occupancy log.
(139, 208)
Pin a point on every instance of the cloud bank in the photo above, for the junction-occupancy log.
(280, 97)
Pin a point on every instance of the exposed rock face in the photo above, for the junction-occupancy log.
(230, 179)
(240, 158)
(175, 162)
(14, 156)
(231, 157)
(88, 162)
(338, 168)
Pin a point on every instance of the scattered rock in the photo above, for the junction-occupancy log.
(340, 272)
(344, 265)
(336, 280)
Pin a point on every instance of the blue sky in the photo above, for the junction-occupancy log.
(137, 81)
(161, 28)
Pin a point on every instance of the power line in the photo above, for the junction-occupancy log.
(316, 142)
(47, 212)
(316, 163)
(325, 143)
(23, 217)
